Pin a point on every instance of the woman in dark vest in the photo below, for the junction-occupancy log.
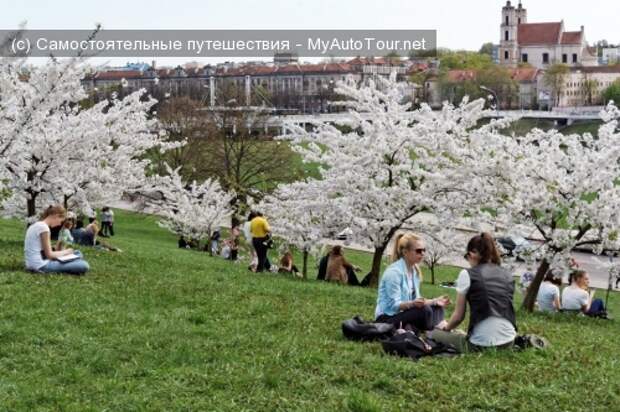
(488, 288)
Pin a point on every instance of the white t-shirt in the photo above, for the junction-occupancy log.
(494, 330)
(246, 231)
(33, 247)
(574, 298)
(546, 296)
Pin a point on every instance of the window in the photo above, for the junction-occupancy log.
(524, 57)
(506, 35)
(507, 21)
(519, 21)
(574, 57)
(545, 58)
(506, 55)
(564, 58)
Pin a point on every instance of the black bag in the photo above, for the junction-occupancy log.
(410, 345)
(358, 329)
(268, 242)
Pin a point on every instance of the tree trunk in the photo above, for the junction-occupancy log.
(376, 266)
(532, 290)
(305, 267)
(31, 206)
(433, 274)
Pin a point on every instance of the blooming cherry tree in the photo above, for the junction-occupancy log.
(383, 163)
(192, 210)
(53, 150)
(566, 186)
(302, 215)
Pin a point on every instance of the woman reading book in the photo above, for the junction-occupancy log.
(39, 255)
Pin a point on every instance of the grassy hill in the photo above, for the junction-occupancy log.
(158, 328)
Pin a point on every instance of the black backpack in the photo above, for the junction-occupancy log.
(413, 346)
(358, 329)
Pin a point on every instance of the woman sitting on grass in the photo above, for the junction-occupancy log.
(400, 301)
(338, 269)
(548, 298)
(65, 238)
(488, 288)
(287, 265)
(38, 252)
(575, 296)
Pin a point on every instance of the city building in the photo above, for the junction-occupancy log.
(610, 55)
(285, 85)
(527, 80)
(584, 86)
(541, 44)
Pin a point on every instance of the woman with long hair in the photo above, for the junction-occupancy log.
(578, 297)
(488, 289)
(38, 252)
(399, 301)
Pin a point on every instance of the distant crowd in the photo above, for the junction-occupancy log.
(485, 289)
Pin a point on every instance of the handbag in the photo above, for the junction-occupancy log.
(268, 242)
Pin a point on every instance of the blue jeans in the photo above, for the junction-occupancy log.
(597, 306)
(75, 267)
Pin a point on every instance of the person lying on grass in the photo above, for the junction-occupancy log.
(88, 236)
(399, 301)
(38, 253)
(488, 288)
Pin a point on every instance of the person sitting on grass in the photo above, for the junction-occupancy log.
(38, 253)
(350, 269)
(338, 269)
(65, 239)
(399, 300)
(488, 288)
(548, 298)
(575, 296)
(287, 265)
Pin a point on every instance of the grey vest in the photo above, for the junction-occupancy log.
(490, 294)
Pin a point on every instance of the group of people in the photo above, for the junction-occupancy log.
(257, 234)
(486, 287)
(576, 297)
(42, 255)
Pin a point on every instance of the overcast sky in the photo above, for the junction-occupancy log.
(460, 24)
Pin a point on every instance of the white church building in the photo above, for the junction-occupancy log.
(541, 44)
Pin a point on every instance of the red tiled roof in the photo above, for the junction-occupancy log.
(287, 69)
(571, 37)
(524, 74)
(118, 75)
(539, 33)
(520, 74)
(418, 67)
(378, 61)
(461, 75)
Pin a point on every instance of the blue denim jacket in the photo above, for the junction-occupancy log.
(394, 289)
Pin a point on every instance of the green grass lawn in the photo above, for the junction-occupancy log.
(158, 328)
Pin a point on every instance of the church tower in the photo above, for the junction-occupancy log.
(508, 45)
(521, 14)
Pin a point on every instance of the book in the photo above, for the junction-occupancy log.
(68, 258)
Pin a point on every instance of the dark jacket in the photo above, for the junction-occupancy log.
(490, 294)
